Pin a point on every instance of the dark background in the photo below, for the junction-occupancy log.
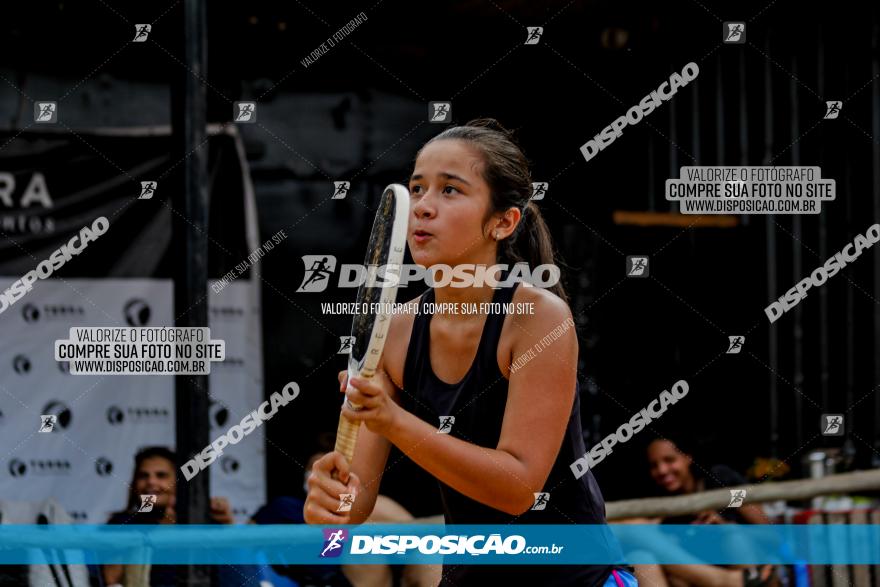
(359, 113)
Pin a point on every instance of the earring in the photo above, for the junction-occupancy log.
(495, 235)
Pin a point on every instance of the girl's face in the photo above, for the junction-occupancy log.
(155, 476)
(670, 468)
(449, 200)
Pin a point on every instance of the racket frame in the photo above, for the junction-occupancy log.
(346, 433)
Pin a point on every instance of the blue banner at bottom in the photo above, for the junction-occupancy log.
(426, 544)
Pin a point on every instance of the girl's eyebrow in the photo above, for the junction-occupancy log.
(418, 176)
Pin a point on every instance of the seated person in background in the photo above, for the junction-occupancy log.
(155, 473)
(673, 469)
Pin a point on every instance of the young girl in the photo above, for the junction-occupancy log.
(516, 431)
(155, 474)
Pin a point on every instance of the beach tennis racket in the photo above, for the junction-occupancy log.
(386, 247)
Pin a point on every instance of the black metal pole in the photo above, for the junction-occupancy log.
(695, 123)
(743, 124)
(673, 136)
(797, 268)
(190, 201)
(875, 127)
(824, 326)
(770, 229)
(719, 112)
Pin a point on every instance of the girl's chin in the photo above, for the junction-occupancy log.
(422, 259)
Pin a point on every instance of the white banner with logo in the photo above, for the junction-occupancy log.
(52, 185)
(86, 461)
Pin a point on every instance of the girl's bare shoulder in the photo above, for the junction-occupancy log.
(539, 307)
(399, 332)
(536, 312)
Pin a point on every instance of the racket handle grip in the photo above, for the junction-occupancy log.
(346, 437)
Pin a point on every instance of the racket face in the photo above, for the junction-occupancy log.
(385, 248)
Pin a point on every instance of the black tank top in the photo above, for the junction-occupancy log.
(478, 402)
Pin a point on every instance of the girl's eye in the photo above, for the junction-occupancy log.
(446, 190)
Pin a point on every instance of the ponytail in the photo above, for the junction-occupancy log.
(532, 243)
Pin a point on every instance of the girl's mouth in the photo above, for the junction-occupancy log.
(421, 236)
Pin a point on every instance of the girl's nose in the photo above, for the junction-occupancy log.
(423, 207)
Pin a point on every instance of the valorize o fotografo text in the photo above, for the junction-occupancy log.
(645, 107)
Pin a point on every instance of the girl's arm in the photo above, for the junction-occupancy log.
(362, 477)
(539, 402)
(370, 457)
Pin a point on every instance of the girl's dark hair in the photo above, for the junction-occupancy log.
(506, 171)
(151, 452)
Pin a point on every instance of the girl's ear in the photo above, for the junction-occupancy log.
(507, 222)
